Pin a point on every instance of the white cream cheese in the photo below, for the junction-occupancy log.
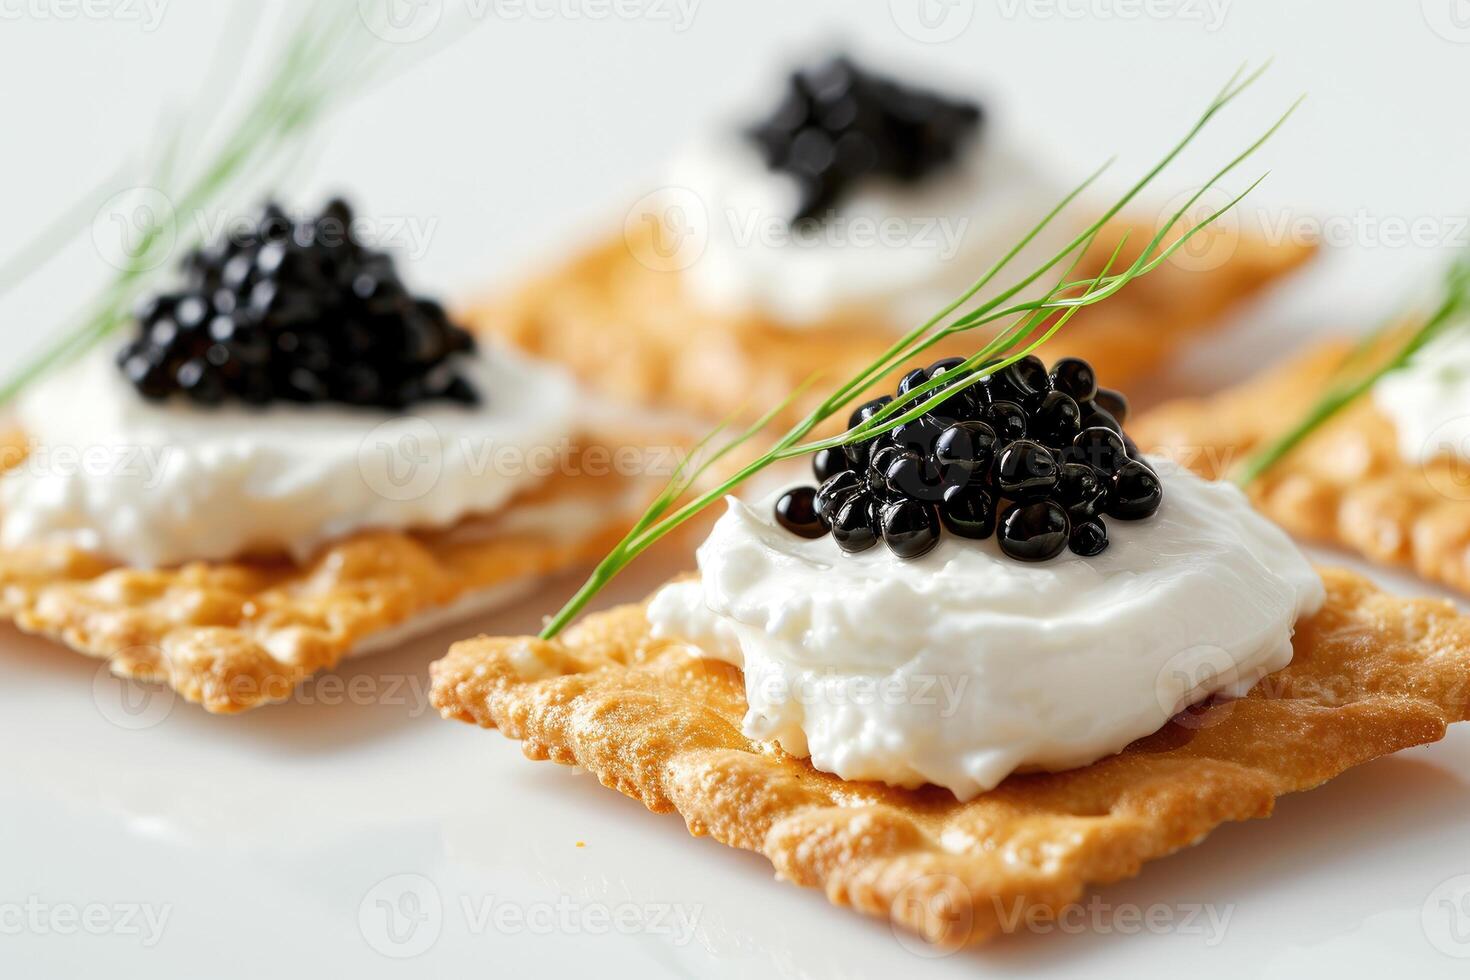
(902, 252)
(160, 483)
(1428, 400)
(964, 666)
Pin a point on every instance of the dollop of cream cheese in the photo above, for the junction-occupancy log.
(897, 251)
(1428, 399)
(964, 666)
(153, 484)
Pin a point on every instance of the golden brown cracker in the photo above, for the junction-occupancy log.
(1372, 674)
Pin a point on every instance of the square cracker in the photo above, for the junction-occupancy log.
(1347, 484)
(1372, 674)
(628, 328)
(234, 635)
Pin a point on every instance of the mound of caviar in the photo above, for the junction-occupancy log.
(296, 311)
(838, 124)
(1038, 458)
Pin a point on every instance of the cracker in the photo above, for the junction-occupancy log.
(234, 635)
(629, 330)
(1372, 674)
(1346, 485)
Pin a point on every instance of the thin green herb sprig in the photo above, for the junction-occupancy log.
(1035, 322)
(324, 59)
(1347, 386)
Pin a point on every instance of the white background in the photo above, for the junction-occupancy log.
(268, 838)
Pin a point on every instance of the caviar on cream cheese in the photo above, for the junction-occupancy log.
(894, 250)
(964, 666)
(158, 483)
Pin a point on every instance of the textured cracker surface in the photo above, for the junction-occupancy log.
(1347, 484)
(629, 330)
(1372, 674)
(234, 635)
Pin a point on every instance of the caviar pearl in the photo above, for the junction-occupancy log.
(968, 512)
(964, 449)
(910, 528)
(1025, 470)
(1137, 492)
(1101, 448)
(1088, 539)
(1007, 419)
(834, 491)
(1113, 403)
(853, 528)
(1034, 532)
(1074, 376)
(796, 511)
(829, 462)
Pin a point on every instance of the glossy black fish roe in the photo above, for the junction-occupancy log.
(1113, 403)
(1026, 470)
(834, 491)
(1073, 376)
(968, 512)
(1034, 532)
(910, 528)
(854, 528)
(1089, 538)
(1025, 467)
(299, 311)
(964, 449)
(1081, 490)
(796, 511)
(1058, 419)
(1007, 418)
(1100, 448)
(829, 462)
(1137, 492)
(839, 125)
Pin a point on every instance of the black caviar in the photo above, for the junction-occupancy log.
(1038, 458)
(838, 124)
(297, 311)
